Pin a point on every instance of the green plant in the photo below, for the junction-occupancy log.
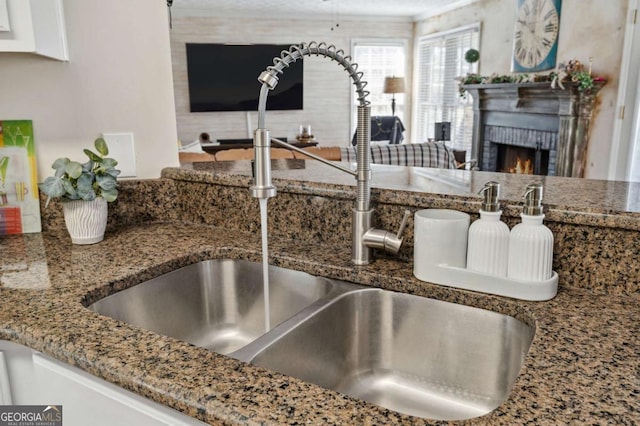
(471, 56)
(75, 181)
(584, 80)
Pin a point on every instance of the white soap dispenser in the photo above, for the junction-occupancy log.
(531, 242)
(488, 246)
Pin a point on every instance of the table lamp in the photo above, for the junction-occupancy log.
(393, 85)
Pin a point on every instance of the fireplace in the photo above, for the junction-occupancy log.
(550, 127)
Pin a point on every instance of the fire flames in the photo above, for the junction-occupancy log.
(522, 167)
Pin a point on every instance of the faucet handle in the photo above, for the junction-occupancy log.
(380, 239)
(403, 224)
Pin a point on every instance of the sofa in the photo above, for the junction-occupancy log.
(428, 154)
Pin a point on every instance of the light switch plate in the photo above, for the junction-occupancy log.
(122, 149)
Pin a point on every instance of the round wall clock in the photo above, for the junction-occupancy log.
(535, 39)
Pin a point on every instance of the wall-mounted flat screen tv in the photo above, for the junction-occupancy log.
(224, 77)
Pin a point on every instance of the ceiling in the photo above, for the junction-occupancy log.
(399, 9)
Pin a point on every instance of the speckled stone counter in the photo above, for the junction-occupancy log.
(595, 223)
(583, 365)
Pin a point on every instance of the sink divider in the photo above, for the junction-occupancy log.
(253, 349)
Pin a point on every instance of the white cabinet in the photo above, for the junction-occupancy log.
(4, 16)
(34, 26)
(28, 377)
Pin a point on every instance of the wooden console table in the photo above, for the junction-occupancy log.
(212, 149)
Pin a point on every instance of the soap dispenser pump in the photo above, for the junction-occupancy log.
(531, 242)
(488, 246)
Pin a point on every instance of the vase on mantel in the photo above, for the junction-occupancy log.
(86, 220)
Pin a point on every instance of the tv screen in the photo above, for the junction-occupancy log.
(224, 77)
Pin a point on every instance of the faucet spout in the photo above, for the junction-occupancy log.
(365, 236)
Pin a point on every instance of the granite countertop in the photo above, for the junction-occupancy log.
(583, 365)
(597, 196)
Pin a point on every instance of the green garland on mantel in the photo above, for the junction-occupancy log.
(586, 81)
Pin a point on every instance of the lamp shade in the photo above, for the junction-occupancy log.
(393, 85)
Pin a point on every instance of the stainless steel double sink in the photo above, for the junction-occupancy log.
(411, 354)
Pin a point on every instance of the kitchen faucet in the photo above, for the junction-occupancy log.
(365, 237)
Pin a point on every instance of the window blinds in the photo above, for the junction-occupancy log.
(379, 60)
(440, 61)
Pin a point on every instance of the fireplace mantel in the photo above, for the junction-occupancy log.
(561, 116)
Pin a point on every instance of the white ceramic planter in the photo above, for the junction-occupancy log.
(86, 220)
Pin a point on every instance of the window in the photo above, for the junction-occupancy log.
(378, 59)
(440, 59)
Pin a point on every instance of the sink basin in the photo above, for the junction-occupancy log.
(415, 355)
(215, 304)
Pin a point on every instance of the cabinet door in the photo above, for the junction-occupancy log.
(4, 17)
(49, 29)
(88, 400)
(28, 377)
(34, 26)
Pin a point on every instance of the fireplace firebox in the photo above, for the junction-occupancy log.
(522, 160)
(503, 145)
